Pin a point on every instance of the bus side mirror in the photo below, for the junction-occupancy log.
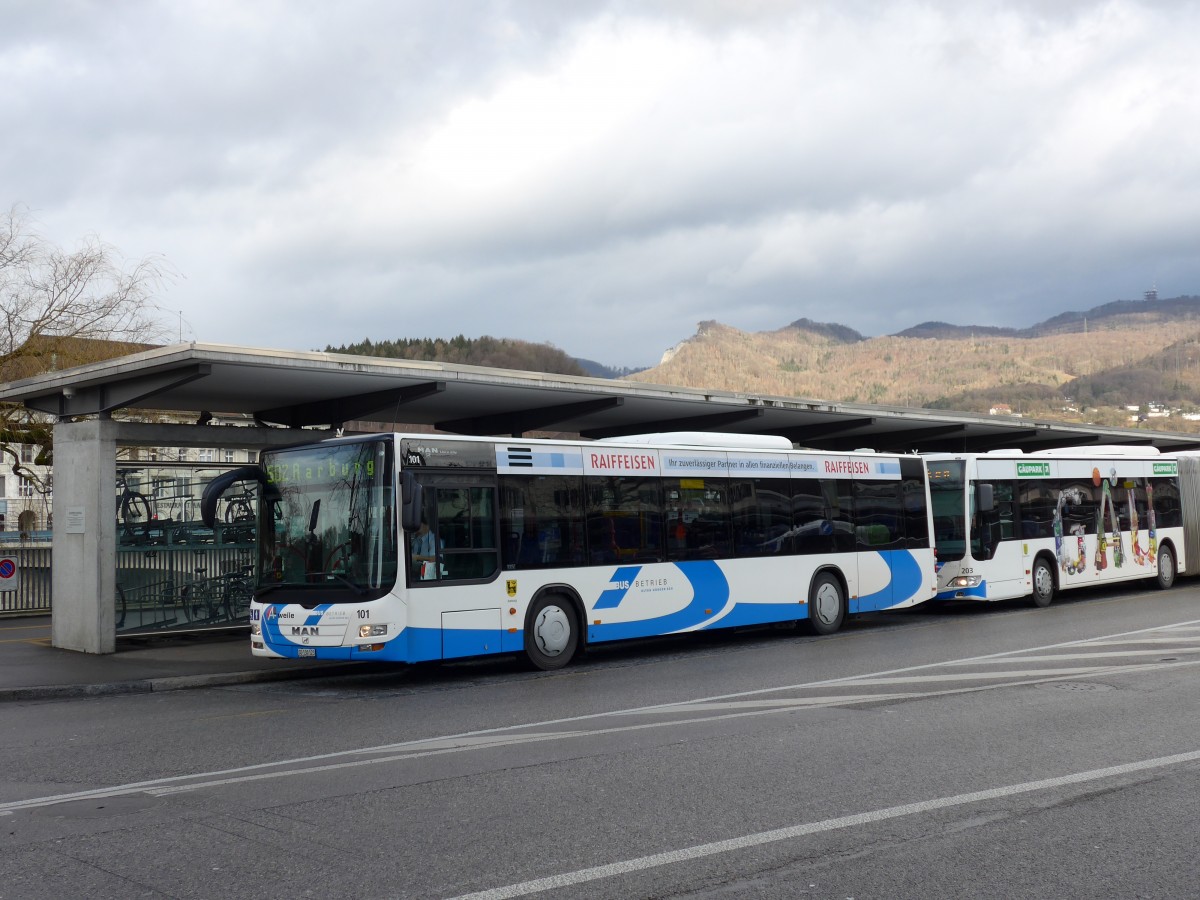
(984, 499)
(410, 504)
(215, 488)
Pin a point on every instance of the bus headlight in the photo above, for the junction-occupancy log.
(255, 628)
(964, 581)
(366, 631)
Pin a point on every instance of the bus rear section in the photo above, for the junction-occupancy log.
(1009, 524)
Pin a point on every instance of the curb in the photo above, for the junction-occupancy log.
(172, 683)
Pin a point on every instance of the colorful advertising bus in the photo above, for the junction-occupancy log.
(1011, 524)
(422, 547)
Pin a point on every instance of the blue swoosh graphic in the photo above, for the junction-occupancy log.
(905, 582)
(612, 598)
(270, 626)
(710, 591)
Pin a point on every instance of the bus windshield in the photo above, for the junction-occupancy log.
(946, 478)
(328, 520)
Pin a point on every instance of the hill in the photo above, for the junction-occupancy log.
(599, 370)
(1117, 355)
(499, 353)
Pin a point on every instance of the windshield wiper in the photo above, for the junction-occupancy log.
(337, 576)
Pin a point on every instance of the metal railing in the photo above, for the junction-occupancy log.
(183, 587)
(32, 596)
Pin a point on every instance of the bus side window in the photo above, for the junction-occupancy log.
(624, 519)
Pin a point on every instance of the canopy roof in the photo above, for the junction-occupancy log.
(297, 389)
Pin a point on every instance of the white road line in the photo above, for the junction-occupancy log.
(1103, 654)
(462, 741)
(776, 703)
(980, 676)
(855, 678)
(418, 749)
(1106, 642)
(642, 863)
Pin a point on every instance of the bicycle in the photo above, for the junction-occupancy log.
(238, 591)
(153, 606)
(220, 598)
(239, 518)
(134, 514)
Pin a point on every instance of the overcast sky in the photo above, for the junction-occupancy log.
(603, 176)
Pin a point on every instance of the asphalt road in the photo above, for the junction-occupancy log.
(991, 752)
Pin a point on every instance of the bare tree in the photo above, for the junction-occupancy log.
(61, 308)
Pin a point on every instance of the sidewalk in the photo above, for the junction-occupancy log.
(30, 669)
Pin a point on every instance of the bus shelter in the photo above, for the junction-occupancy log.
(290, 397)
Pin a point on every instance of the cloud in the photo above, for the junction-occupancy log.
(605, 175)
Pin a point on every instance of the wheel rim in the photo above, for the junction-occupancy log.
(1042, 581)
(827, 602)
(552, 630)
(1165, 566)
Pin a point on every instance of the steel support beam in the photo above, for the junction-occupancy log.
(339, 410)
(714, 422)
(517, 422)
(102, 399)
(805, 433)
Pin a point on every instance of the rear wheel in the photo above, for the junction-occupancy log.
(1166, 568)
(552, 634)
(1043, 583)
(826, 604)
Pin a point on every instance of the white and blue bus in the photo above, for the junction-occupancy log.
(1010, 524)
(408, 547)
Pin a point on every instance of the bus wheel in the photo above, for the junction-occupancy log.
(826, 604)
(1166, 568)
(1043, 583)
(552, 633)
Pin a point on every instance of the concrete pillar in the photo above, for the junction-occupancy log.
(85, 536)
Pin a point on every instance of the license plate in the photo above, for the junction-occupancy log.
(306, 651)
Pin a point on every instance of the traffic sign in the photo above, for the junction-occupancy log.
(10, 573)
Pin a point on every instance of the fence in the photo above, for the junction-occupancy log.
(185, 587)
(32, 596)
(173, 572)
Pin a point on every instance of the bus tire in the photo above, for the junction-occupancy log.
(1043, 583)
(551, 632)
(826, 604)
(1166, 567)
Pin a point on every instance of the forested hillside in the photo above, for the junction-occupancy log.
(499, 353)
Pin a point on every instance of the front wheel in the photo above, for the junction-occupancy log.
(552, 634)
(1043, 583)
(1166, 568)
(826, 604)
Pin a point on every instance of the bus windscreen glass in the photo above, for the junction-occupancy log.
(328, 519)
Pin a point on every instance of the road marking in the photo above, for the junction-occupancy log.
(1103, 654)
(729, 706)
(700, 851)
(497, 738)
(1112, 643)
(975, 676)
